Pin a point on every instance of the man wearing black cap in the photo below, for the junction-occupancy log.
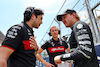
(16, 45)
(81, 42)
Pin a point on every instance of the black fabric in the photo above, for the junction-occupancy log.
(17, 38)
(81, 41)
(54, 48)
(68, 11)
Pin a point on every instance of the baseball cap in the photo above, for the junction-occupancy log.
(68, 11)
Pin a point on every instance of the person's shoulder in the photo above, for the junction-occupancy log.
(81, 22)
(48, 41)
(80, 25)
(17, 26)
(14, 31)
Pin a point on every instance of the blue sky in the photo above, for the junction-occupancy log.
(11, 13)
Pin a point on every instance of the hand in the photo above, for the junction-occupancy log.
(57, 59)
(48, 65)
(33, 43)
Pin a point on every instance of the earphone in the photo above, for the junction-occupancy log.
(28, 12)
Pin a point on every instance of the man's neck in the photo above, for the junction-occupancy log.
(55, 38)
(29, 24)
(73, 22)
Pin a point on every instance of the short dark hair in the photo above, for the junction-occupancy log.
(31, 10)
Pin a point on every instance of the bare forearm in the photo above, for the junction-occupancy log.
(68, 49)
(70, 64)
(4, 55)
(43, 61)
(3, 63)
(38, 56)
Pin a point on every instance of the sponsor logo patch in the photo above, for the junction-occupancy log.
(56, 49)
(79, 26)
(13, 32)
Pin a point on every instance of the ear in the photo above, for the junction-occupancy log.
(33, 16)
(74, 14)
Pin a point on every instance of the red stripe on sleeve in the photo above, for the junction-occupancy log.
(8, 47)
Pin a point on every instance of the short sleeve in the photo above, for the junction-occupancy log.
(13, 37)
(44, 46)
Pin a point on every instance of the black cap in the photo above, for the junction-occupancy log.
(68, 11)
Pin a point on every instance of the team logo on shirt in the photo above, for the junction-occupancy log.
(56, 49)
(13, 32)
(79, 26)
(29, 32)
(27, 45)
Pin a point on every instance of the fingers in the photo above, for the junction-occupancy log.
(32, 39)
(48, 65)
(33, 43)
(57, 59)
(52, 65)
(32, 46)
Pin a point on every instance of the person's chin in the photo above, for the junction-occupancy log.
(36, 27)
(67, 26)
(55, 36)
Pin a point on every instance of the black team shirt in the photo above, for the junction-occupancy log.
(54, 48)
(17, 39)
(81, 42)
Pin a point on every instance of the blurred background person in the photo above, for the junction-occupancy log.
(54, 47)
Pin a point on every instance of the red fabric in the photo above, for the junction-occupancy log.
(56, 49)
(27, 45)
